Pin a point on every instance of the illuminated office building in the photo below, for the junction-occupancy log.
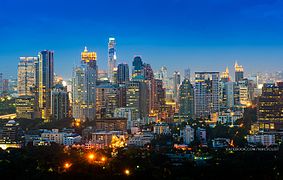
(26, 75)
(270, 107)
(186, 100)
(25, 107)
(111, 58)
(206, 94)
(225, 77)
(239, 72)
(60, 104)
(84, 87)
(226, 91)
(106, 100)
(137, 98)
(44, 78)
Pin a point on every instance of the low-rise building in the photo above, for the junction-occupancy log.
(161, 128)
(188, 134)
(103, 139)
(62, 138)
(262, 139)
(140, 139)
(220, 142)
(111, 124)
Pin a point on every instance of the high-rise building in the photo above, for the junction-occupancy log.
(239, 72)
(84, 87)
(176, 84)
(138, 70)
(44, 78)
(26, 75)
(111, 58)
(186, 100)
(225, 77)
(270, 107)
(137, 98)
(123, 73)
(187, 73)
(226, 91)
(241, 93)
(206, 94)
(148, 72)
(106, 100)
(5, 85)
(60, 104)
(229, 94)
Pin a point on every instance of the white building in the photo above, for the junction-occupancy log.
(188, 134)
(141, 139)
(263, 139)
(62, 138)
(229, 117)
(161, 128)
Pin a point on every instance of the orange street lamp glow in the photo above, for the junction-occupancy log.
(67, 165)
(127, 172)
(91, 156)
(103, 159)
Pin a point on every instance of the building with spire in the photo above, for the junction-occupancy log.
(239, 72)
(84, 87)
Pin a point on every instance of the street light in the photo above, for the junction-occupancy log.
(103, 159)
(91, 156)
(67, 165)
(127, 172)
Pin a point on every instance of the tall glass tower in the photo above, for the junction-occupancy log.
(26, 77)
(44, 78)
(84, 87)
(111, 58)
(123, 73)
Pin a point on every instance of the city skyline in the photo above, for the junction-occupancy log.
(249, 32)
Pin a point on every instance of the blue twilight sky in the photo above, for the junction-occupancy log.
(202, 34)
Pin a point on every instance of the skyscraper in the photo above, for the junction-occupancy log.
(176, 84)
(44, 78)
(187, 73)
(137, 71)
(137, 98)
(111, 58)
(60, 105)
(26, 75)
(123, 73)
(226, 91)
(106, 100)
(270, 107)
(186, 100)
(206, 93)
(84, 87)
(239, 72)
